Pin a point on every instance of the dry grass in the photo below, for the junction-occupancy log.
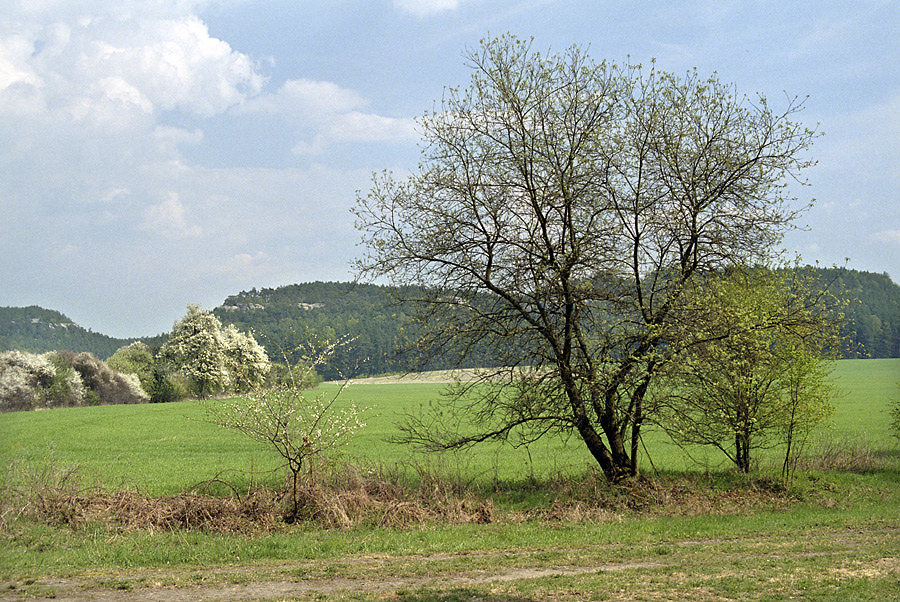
(331, 497)
(342, 496)
(63, 496)
(345, 496)
(843, 454)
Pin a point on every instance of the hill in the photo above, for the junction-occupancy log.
(287, 317)
(284, 318)
(39, 330)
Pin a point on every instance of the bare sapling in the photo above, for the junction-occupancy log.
(298, 426)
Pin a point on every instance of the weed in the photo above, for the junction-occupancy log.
(842, 453)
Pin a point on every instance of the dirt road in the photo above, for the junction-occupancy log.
(671, 570)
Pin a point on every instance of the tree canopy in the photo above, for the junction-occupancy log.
(562, 212)
(214, 358)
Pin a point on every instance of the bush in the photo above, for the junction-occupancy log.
(29, 381)
(286, 375)
(165, 387)
(107, 385)
(66, 389)
(299, 428)
(136, 358)
(62, 379)
(23, 378)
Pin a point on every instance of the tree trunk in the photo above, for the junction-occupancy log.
(742, 452)
(613, 470)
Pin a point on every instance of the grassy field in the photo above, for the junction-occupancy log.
(832, 536)
(165, 448)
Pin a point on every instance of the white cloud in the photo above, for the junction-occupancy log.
(368, 127)
(887, 236)
(169, 219)
(247, 267)
(168, 139)
(105, 71)
(14, 68)
(425, 8)
(307, 99)
(335, 113)
(114, 194)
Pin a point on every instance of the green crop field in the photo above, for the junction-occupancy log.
(166, 448)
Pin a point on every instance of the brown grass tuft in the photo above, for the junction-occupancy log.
(344, 496)
(845, 454)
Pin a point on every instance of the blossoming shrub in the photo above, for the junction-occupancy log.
(103, 384)
(62, 379)
(29, 381)
(22, 378)
(299, 427)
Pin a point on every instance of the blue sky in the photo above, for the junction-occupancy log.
(155, 153)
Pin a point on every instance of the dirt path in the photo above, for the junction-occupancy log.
(771, 560)
(116, 589)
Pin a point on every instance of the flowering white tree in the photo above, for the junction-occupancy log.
(196, 348)
(212, 357)
(246, 360)
(298, 427)
(135, 358)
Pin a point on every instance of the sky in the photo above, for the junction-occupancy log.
(156, 153)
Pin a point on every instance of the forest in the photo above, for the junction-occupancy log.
(287, 318)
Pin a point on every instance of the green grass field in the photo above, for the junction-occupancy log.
(166, 448)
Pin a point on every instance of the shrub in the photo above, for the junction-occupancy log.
(29, 381)
(23, 376)
(286, 375)
(298, 427)
(160, 384)
(62, 379)
(107, 385)
(165, 387)
(66, 389)
(136, 358)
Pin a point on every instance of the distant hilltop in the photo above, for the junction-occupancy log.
(39, 330)
(283, 318)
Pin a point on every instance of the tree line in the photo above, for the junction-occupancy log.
(386, 331)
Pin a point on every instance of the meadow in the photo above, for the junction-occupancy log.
(162, 449)
(830, 535)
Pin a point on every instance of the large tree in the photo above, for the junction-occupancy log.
(561, 211)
